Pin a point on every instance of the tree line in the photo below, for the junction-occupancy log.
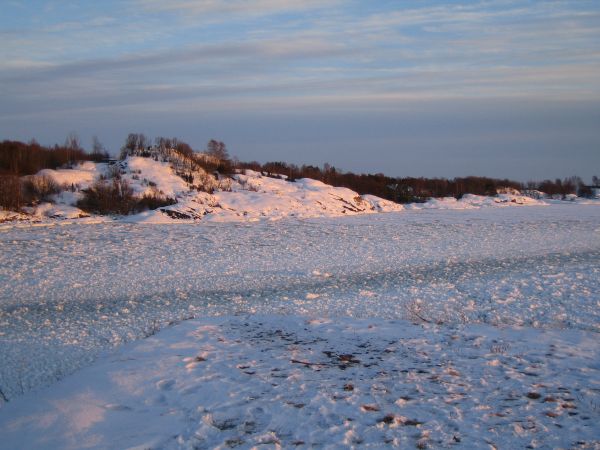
(18, 159)
(411, 189)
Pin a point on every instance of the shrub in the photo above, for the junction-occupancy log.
(116, 197)
(113, 197)
(153, 201)
(39, 187)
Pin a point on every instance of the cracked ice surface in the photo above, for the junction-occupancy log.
(70, 292)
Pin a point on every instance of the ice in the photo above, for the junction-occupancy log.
(72, 291)
(504, 300)
(287, 381)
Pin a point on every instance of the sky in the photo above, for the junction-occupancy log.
(495, 88)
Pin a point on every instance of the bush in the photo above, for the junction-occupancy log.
(116, 197)
(113, 197)
(153, 201)
(39, 187)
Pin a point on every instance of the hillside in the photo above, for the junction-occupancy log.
(201, 196)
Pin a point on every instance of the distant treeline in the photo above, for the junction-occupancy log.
(410, 189)
(18, 159)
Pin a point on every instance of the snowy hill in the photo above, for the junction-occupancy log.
(202, 196)
(247, 196)
(252, 196)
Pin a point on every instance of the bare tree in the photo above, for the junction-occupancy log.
(72, 141)
(217, 149)
(130, 145)
(133, 143)
(98, 150)
(163, 143)
(184, 148)
(73, 146)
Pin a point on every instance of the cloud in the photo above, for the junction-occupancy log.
(203, 60)
(375, 56)
(224, 90)
(241, 7)
(462, 16)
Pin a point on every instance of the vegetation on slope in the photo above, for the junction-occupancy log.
(209, 171)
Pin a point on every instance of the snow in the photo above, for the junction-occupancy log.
(246, 197)
(255, 197)
(158, 172)
(453, 323)
(470, 201)
(82, 175)
(74, 291)
(287, 381)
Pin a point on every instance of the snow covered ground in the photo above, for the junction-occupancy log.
(482, 324)
(286, 382)
(245, 197)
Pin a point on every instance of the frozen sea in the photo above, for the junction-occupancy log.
(69, 292)
(434, 328)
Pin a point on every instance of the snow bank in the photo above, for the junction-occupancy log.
(12, 217)
(144, 173)
(80, 176)
(56, 211)
(247, 197)
(470, 201)
(255, 197)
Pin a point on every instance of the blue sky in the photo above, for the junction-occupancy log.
(423, 88)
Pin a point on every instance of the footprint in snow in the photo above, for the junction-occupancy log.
(117, 407)
(165, 385)
(156, 400)
(221, 421)
(256, 420)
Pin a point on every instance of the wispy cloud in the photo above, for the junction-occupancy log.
(275, 56)
(449, 46)
(205, 61)
(242, 7)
